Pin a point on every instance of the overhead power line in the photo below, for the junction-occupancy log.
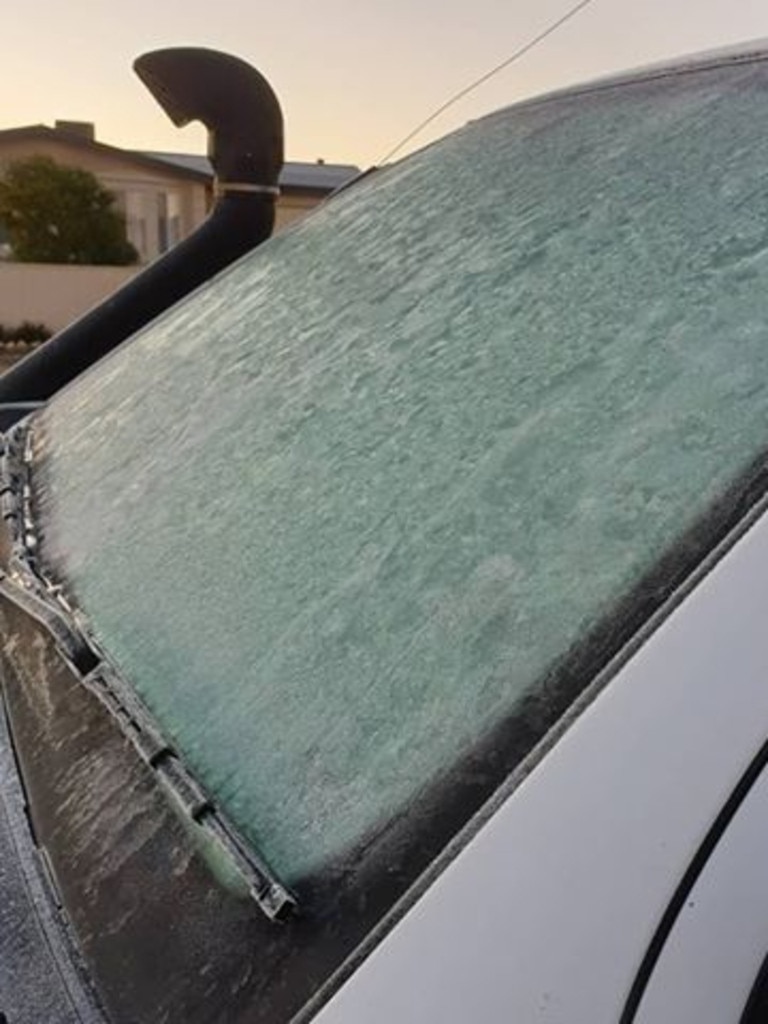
(521, 52)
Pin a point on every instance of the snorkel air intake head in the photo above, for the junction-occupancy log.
(234, 102)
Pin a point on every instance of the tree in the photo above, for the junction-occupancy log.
(57, 214)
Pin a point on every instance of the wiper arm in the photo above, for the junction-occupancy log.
(27, 586)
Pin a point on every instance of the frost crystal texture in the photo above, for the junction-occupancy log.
(338, 513)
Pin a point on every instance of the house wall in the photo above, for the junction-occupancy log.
(292, 206)
(160, 207)
(54, 294)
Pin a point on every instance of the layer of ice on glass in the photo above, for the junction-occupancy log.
(338, 513)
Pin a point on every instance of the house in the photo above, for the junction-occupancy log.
(163, 196)
(161, 203)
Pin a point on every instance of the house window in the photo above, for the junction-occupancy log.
(133, 206)
(168, 220)
(5, 251)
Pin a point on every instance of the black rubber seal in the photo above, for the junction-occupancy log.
(687, 882)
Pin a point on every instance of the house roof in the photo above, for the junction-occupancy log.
(41, 132)
(294, 175)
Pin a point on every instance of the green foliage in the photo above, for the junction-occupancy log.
(57, 214)
(26, 331)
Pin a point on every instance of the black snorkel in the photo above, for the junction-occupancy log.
(245, 147)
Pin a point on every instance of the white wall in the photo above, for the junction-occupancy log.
(54, 294)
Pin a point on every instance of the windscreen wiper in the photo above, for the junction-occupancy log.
(27, 585)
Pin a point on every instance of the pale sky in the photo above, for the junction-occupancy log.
(353, 76)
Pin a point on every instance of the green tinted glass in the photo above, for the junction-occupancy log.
(336, 515)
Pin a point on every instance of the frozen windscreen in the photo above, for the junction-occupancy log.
(338, 515)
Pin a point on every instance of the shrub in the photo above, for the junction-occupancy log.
(56, 214)
(26, 331)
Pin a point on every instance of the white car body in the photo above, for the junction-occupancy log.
(548, 912)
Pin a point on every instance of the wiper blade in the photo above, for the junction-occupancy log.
(27, 585)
